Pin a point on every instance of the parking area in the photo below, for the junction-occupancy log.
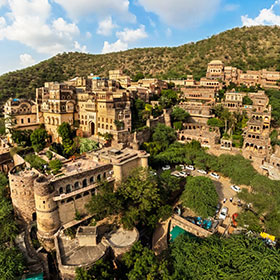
(227, 196)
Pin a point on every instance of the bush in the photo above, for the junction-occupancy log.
(55, 166)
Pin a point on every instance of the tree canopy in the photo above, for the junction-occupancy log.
(38, 139)
(237, 257)
(201, 196)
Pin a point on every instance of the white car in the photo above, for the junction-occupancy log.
(189, 167)
(166, 167)
(223, 213)
(235, 188)
(215, 175)
(176, 174)
(183, 174)
(182, 166)
(202, 171)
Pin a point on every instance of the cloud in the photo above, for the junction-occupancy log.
(80, 48)
(132, 35)
(125, 37)
(265, 17)
(182, 13)
(114, 47)
(106, 26)
(79, 9)
(28, 24)
(26, 60)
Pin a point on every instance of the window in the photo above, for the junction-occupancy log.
(78, 196)
(68, 188)
(21, 120)
(84, 183)
(76, 185)
(86, 193)
(28, 120)
(99, 177)
(91, 180)
(60, 190)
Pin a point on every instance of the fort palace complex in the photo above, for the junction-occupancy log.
(97, 106)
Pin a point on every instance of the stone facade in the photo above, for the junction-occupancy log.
(54, 201)
(202, 133)
(198, 94)
(20, 114)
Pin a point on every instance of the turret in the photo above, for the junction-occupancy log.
(48, 221)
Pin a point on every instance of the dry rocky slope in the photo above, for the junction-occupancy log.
(247, 48)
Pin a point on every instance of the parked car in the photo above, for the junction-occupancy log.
(166, 167)
(189, 167)
(182, 166)
(183, 174)
(202, 171)
(223, 213)
(235, 188)
(176, 174)
(215, 175)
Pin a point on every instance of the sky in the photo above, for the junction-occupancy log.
(35, 30)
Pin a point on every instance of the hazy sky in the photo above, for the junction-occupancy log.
(34, 30)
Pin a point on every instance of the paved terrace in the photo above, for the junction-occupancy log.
(74, 255)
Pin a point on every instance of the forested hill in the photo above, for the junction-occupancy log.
(247, 48)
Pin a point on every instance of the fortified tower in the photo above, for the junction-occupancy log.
(48, 221)
(21, 182)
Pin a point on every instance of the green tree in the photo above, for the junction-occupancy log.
(168, 183)
(38, 139)
(87, 145)
(247, 100)
(21, 137)
(101, 270)
(214, 122)
(201, 196)
(142, 264)
(237, 257)
(105, 203)
(140, 197)
(169, 97)
(138, 76)
(11, 264)
(164, 135)
(180, 115)
(67, 135)
(55, 166)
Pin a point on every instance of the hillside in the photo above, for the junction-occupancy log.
(247, 48)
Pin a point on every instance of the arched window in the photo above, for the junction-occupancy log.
(60, 190)
(68, 188)
(70, 199)
(76, 185)
(78, 196)
(104, 175)
(84, 183)
(86, 193)
(91, 180)
(98, 177)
